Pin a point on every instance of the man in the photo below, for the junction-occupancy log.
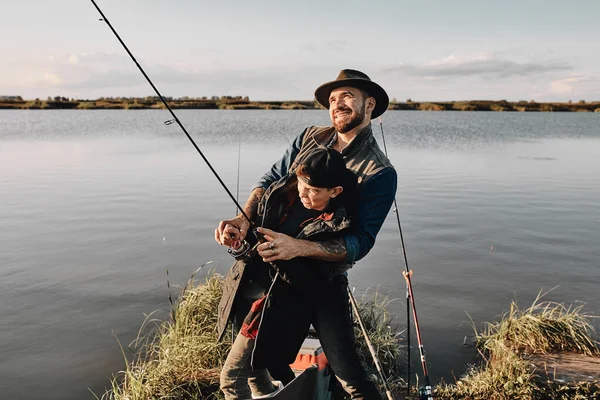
(353, 100)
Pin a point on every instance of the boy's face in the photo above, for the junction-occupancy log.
(316, 198)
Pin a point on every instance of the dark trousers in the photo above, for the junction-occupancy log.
(332, 319)
(327, 306)
(283, 372)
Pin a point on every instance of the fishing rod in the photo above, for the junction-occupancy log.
(237, 186)
(388, 390)
(175, 119)
(410, 300)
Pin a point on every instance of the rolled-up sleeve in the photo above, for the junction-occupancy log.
(281, 167)
(373, 204)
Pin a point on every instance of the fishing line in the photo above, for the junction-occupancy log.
(410, 300)
(175, 119)
(237, 197)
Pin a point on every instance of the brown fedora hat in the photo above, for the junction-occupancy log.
(359, 80)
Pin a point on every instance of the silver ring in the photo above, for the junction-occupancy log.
(271, 245)
(273, 251)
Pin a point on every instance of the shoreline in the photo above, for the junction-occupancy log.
(239, 103)
(546, 351)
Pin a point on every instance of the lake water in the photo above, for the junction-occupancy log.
(95, 206)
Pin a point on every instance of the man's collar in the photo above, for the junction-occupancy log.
(358, 142)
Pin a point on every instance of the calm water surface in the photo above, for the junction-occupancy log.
(95, 206)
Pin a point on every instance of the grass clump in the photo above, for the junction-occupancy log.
(431, 107)
(386, 338)
(463, 106)
(500, 108)
(86, 105)
(503, 375)
(543, 327)
(585, 390)
(507, 371)
(181, 360)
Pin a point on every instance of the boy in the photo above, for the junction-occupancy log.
(313, 203)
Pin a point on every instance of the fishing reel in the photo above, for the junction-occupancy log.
(425, 393)
(244, 250)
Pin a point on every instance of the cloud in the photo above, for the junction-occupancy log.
(576, 87)
(457, 77)
(52, 78)
(90, 75)
(95, 74)
(100, 74)
(481, 65)
(491, 76)
(92, 70)
(566, 85)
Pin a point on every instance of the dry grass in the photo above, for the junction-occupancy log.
(431, 107)
(500, 108)
(387, 340)
(181, 359)
(543, 327)
(461, 106)
(504, 373)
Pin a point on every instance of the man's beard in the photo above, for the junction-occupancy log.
(351, 121)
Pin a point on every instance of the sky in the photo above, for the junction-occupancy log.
(433, 50)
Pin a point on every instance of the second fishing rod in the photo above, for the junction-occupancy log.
(426, 393)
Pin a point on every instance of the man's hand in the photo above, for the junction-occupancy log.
(231, 230)
(278, 246)
(238, 226)
(284, 247)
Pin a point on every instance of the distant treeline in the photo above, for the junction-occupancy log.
(244, 103)
(497, 105)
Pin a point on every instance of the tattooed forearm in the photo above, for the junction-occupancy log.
(252, 203)
(333, 250)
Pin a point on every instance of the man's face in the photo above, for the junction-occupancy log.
(346, 108)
